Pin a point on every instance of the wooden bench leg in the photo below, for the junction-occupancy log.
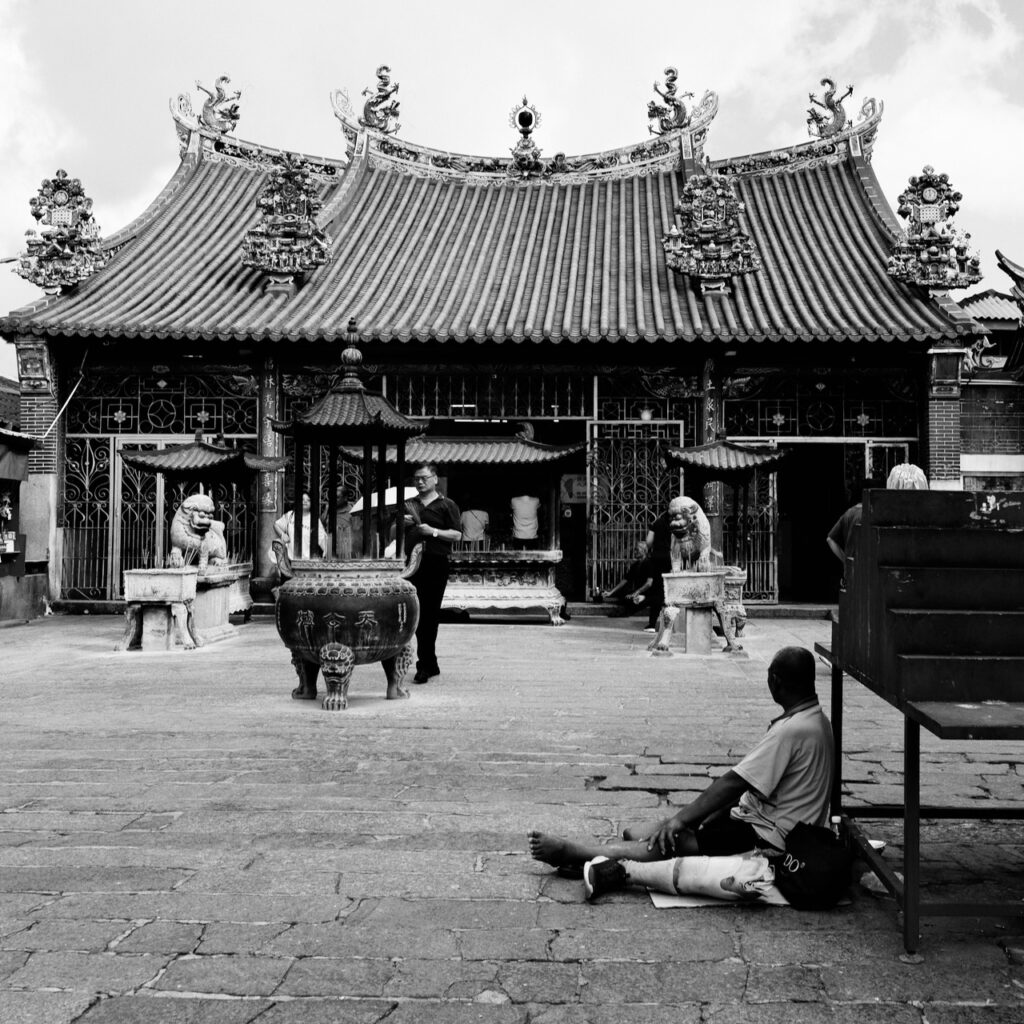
(837, 736)
(911, 838)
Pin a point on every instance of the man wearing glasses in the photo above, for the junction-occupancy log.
(433, 521)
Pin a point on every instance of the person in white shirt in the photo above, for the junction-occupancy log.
(475, 524)
(525, 520)
(284, 531)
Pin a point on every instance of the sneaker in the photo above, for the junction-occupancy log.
(602, 875)
(650, 629)
(423, 676)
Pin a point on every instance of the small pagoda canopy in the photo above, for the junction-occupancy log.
(14, 449)
(732, 464)
(349, 415)
(722, 460)
(484, 451)
(202, 459)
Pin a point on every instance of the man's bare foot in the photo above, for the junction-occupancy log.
(557, 852)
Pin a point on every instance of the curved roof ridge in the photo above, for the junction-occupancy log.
(855, 140)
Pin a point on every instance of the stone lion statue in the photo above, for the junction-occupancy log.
(195, 534)
(691, 535)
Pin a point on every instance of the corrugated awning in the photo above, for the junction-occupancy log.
(14, 449)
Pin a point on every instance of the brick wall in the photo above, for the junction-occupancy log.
(943, 438)
(39, 406)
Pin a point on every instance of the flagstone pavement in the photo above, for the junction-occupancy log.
(182, 843)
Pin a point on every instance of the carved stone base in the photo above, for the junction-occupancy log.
(221, 591)
(159, 626)
(500, 581)
(686, 620)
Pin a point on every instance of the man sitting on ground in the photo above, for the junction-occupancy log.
(785, 779)
(630, 593)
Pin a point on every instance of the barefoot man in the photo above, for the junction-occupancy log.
(785, 779)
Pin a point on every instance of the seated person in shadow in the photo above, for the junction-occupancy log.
(630, 594)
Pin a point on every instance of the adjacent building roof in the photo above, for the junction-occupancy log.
(432, 246)
(991, 305)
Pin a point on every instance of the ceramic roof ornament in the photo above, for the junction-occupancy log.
(933, 254)
(833, 121)
(220, 109)
(380, 111)
(67, 248)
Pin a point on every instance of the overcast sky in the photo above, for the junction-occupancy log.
(86, 83)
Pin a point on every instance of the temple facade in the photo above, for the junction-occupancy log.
(608, 306)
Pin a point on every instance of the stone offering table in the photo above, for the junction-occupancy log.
(159, 610)
(221, 591)
(505, 581)
(181, 609)
(690, 600)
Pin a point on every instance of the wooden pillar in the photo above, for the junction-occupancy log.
(382, 498)
(400, 503)
(314, 497)
(710, 422)
(269, 484)
(367, 499)
(553, 514)
(332, 500)
(300, 486)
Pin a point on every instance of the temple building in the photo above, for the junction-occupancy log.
(597, 311)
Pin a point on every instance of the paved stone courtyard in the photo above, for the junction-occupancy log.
(181, 843)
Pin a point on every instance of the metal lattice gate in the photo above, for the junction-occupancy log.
(629, 485)
(115, 517)
(750, 530)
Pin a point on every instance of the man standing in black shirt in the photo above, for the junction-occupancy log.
(433, 521)
(659, 548)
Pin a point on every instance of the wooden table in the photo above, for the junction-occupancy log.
(973, 720)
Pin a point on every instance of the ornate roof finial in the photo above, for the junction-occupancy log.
(287, 241)
(526, 162)
(933, 254)
(220, 110)
(67, 248)
(380, 112)
(351, 359)
(675, 115)
(818, 125)
(710, 244)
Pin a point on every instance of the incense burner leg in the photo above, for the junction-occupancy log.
(307, 672)
(336, 662)
(397, 671)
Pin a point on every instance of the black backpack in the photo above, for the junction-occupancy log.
(815, 871)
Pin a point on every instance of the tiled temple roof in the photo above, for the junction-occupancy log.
(429, 246)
